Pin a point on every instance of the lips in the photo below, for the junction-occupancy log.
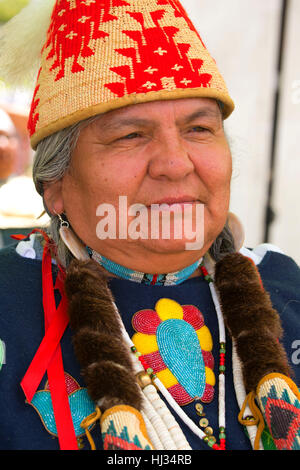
(176, 200)
(178, 204)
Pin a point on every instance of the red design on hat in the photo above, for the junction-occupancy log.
(158, 61)
(101, 55)
(33, 116)
(71, 32)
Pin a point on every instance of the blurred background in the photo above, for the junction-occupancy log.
(255, 44)
(20, 204)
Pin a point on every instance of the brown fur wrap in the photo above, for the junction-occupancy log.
(98, 345)
(250, 318)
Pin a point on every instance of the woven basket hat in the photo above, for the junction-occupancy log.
(101, 55)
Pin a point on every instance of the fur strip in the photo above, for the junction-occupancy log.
(98, 345)
(251, 319)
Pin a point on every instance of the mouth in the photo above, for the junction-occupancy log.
(173, 203)
(176, 200)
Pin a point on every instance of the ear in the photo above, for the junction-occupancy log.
(53, 197)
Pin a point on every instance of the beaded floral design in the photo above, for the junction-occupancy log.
(174, 341)
(81, 406)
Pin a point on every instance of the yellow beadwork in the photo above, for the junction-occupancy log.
(168, 308)
(205, 338)
(210, 376)
(151, 345)
(167, 378)
(146, 344)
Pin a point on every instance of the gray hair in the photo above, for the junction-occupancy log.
(52, 159)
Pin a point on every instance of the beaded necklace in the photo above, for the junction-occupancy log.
(168, 279)
(206, 436)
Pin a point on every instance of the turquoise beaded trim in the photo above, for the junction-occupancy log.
(180, 350)
(80, 403)
(170, 279)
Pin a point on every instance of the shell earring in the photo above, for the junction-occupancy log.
(71, 240)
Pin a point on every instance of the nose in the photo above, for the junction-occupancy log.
(170, 159)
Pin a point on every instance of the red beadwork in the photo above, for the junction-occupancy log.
(208, 394)
(180, 395)
(216, 447)
(146, 321)
(193, 316)
(208, 359)
(204, 270)
(144, 363)
(71, 384)
(223, 444)
(155, 361)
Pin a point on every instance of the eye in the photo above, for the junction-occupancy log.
(198, 129)
(133, 135)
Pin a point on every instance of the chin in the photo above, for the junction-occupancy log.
(171, 246)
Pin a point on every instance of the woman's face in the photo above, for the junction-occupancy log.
(163, 151)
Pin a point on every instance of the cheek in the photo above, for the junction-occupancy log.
(103, 181)
(215, 171)
(79, 189)
(122, 174)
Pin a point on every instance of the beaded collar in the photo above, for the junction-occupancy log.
(168, 279)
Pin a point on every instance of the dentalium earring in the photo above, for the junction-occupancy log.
(71, 240)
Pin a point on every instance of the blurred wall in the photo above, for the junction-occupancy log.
(243, 37)
(286, 227)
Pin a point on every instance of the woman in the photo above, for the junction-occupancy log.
(144, 126)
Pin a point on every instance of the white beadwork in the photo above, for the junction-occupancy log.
(222, 400)
(158, 420)
(179, 411)
(222, 335)
(241, 393)
(158, 424)
(165, 393)
(222, 339)
(167, 417)
(153, 436)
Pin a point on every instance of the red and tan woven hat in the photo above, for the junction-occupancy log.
(101, 55)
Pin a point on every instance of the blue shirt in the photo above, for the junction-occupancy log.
(24, 426)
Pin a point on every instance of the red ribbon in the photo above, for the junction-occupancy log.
(49, 357)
